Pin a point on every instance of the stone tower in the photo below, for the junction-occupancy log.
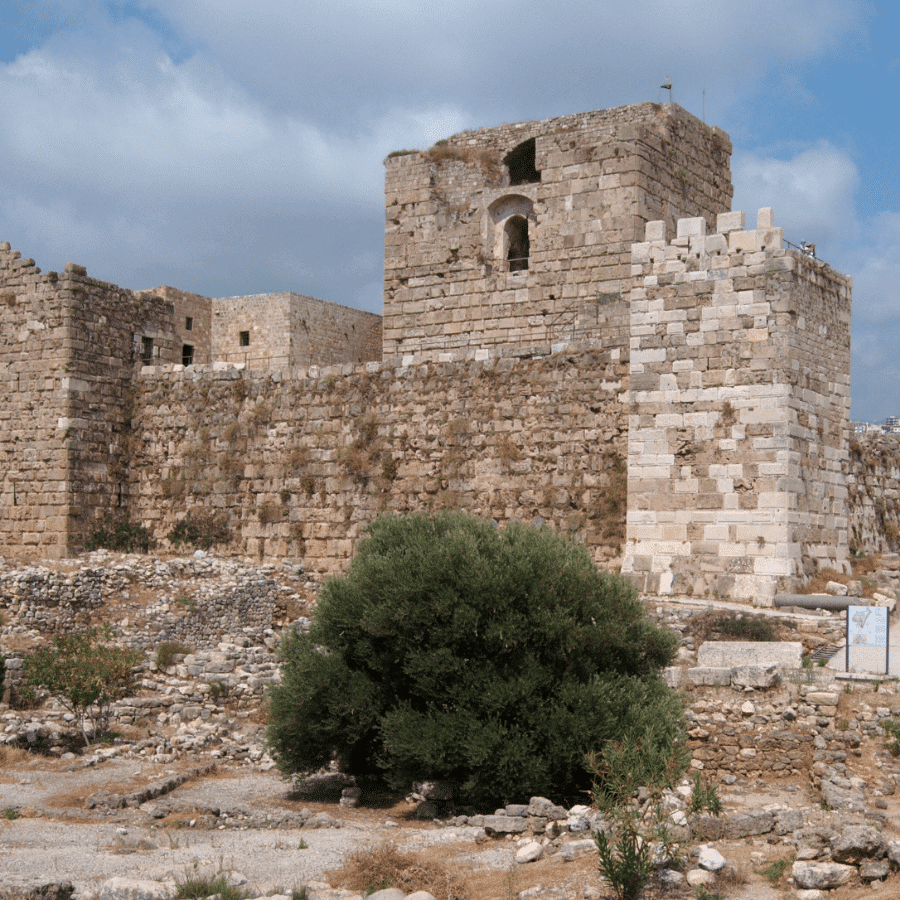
(519, 237)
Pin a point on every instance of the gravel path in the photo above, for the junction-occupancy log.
(88, 852)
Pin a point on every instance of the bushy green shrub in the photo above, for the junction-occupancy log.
(452, 649)
(85, 673)
(119, 533)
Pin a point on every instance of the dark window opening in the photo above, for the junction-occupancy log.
(187, 355)
(245, 338)
(520, 163)
(147, 351)
(188, 323)
(517, 243)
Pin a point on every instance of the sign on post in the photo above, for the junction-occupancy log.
(867, 639)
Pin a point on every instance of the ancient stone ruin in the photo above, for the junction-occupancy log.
(577, 330)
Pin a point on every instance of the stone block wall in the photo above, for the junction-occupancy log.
(300, 461)
(740, 362)
(873, 483)
(583, 189)
(287, 329)
(69, 348)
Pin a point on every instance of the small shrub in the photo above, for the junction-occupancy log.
(395, 153)
(308, 484)
(892, 730)
(232, 429)
(84, 673)
(120, 534)
(10, 814)
(268, 513)
(704, 797)
(284, 495)
(166, 652)
(745, 628)
(389, 467)
(329, 382)
(201, 529)
(774, 872)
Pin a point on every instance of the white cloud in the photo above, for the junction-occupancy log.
(812, 193)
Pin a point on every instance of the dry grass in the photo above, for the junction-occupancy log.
(384, 865)
(818, 583)
(866, 566)
(13, 756)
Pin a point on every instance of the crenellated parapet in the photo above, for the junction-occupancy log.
(740, 392)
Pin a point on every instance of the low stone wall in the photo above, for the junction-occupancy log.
(300, 461)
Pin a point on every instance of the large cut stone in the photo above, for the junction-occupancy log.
(821, 876)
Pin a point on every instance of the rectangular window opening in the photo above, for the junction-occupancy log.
(147, 351)
(245, 338)
(188, 323)
(187, 355)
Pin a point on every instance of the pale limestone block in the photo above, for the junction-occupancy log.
(715, 244)
(766, 240)
(640, 253)
(697, 276)
(756, 335)
(742, 242)
(687, 486)
(651, 280)
(731, 221)
(778, 567)
(655, 231)
(691, 227)
(765, 218)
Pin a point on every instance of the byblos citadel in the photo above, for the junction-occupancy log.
(577, 330)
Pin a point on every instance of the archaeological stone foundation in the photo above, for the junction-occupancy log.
(577, 331)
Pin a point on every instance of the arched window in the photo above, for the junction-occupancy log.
(516, 242)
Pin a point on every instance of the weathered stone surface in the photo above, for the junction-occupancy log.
(531, 852)
(786, 654)
(710, 859)
(874, 870)
(136, 889)
(503, 824)
(858, 842)
(757, 821)
(821, 876)
(541, 806)
(757, 677)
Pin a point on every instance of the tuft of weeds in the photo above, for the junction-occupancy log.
(774, 872)
(704, 797)
(199, 888)
(166, 652)
(892, 731)
(10, 814)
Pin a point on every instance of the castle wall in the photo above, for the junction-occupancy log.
(451, 221)
(34, 462)
(300, 461)
(69, 348)
(740, 365)
(873, 484)
(287, 329)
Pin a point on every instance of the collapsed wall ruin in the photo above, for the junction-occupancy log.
(574, 325)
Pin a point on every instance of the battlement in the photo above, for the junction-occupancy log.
(692, 241)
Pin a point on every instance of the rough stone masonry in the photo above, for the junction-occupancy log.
(576, 331)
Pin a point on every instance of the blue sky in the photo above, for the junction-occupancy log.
(233, 148)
